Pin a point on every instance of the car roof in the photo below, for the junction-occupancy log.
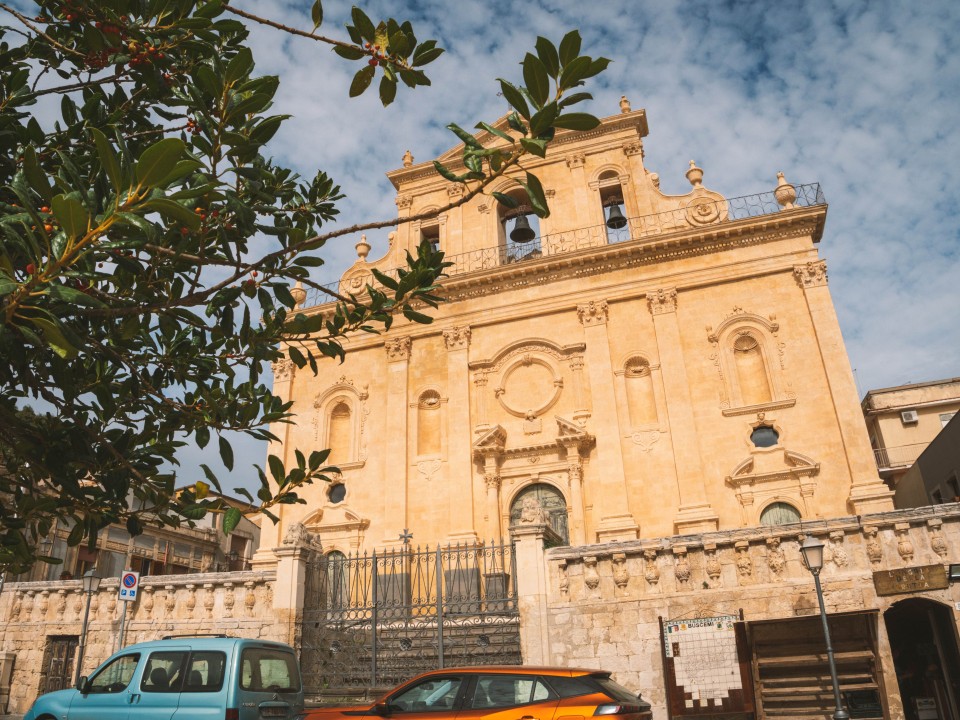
(518, 670)
(202, 643)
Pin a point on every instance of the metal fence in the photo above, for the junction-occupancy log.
(374, 620)
(700, 212)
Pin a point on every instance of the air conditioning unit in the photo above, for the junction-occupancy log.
(909, 416)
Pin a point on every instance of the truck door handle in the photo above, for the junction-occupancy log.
(131, 697)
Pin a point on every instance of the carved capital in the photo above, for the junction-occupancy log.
(284, 370)
(634, 147)
(492, 481)
(456, 338)
(592, 313)
(398, 348)
(576, 160)
(455, 192)
(403, 202)
(813, 274)
(662, 301)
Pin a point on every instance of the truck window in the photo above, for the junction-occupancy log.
(268, 670)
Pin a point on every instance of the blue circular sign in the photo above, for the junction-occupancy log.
(129, 580)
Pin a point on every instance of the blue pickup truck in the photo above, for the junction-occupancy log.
(187, 678)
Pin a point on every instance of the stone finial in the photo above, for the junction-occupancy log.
(694, 174)
(785, 193)
(407, 159)
(298, 294)
(363, 248)
(655, 179)
(624, 104)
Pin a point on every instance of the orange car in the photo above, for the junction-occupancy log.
(501, 692)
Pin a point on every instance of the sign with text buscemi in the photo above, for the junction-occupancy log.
(910, 580)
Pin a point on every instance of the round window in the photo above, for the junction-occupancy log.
(337, 493)
(764, 436)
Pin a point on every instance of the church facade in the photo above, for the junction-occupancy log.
(676, 367)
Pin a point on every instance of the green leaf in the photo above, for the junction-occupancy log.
(239, 67)
(494, 131)
(173, 211)
(547, 53)
(276, 468)
(536, 79)
(226, 453)
(317, 458)
(413, 316)
(597, 67)
(316, 14)
(363, 24)
(54, 336)
(538, 198)
(108, 159)
(574, 72)
(362, 80)
(71, 214)
(424, 57)
(388, 90)
(202, 436)
(506, 200)
(574, 99)
(468, 139)
(515, 98)
(576, 121)
(569, 47)
(445, 172)
(74, 296)
(35, 174)
(534, 146)
(231, 518)
(159, 160)
(349, 53)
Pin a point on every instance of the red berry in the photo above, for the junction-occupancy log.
(373, 62)
(30, 268)
(184, 231)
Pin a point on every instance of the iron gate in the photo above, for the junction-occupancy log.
(374, 620)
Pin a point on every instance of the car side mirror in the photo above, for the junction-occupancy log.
(382, 709)
(83, 685)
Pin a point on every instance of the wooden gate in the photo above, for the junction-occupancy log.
(58, 657)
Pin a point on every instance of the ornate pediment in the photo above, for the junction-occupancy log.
(335, 519)
(781, 466)
(491, 442)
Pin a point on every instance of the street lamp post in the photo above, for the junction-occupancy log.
(91, 583)
(812, 551)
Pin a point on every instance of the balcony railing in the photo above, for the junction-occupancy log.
(901, 456)
(697, 214)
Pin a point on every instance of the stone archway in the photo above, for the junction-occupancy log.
(923, 641)
(546, 500)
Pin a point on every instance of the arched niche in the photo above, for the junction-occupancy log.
(340, 414)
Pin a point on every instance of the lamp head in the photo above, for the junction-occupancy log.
(812, 550)
(91, 581)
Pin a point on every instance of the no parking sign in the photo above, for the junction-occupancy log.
(129, 585)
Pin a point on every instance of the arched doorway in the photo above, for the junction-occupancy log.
(923, 642)
(550, 501)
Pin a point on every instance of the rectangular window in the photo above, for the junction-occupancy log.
(164, 672)
(431, 234)
(268, 670)
(205, 672)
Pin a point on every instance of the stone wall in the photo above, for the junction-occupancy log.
(239, 604)
(600, 603)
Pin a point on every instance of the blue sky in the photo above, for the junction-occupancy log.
(862, 97)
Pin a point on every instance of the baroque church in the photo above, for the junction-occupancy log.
(639, 365)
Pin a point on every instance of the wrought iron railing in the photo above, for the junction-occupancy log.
(699, 212)
(374, 620)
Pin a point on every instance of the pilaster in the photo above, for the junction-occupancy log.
(532, 585)
(868, 493)
(395, 502)
(694, 513)
(616, 522)
(460, 477)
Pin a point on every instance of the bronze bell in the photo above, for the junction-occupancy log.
(522, 232)
(616, 220)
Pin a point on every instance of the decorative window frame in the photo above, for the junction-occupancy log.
(786, 500)
(507, 499)
(414, 424)
(766, 332)
(343, 391)
(417, 225)
(794, 483)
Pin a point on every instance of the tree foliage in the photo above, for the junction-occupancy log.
(135, 314)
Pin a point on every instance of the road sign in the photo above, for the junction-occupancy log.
(129, 586)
